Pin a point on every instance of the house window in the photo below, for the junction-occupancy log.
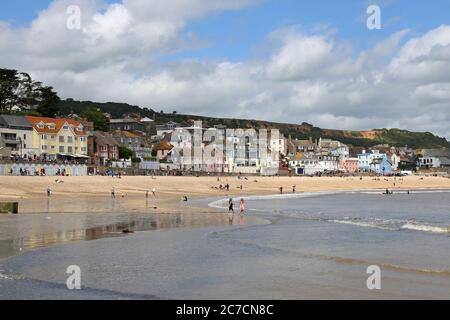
(24, 136)
(66, 127)
(24, 146)
(83, 149)
(69, 149)
(51, 126)
(83, 139)
(61, 149)
(69, 139)
(61, 139)
(44, 147)
(44, 137)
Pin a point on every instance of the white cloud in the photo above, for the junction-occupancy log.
(307, 77)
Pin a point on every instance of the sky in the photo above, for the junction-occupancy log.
(286, 60)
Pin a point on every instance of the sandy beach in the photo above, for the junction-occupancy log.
(86, 194)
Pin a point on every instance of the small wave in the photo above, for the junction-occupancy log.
(393, 225)
(425, 228)
(378, 224)
(4, 277)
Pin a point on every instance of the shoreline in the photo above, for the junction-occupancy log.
(93, 194)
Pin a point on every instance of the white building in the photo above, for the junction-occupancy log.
(316, 164)
(429, 162)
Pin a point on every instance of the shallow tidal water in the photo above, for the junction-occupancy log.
(304, 247)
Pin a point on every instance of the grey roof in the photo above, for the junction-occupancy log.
(445, 161)
(17, 122)
(124, 120)
(104, 138)
(436, 152)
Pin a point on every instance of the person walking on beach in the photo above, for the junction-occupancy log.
(242, 206)
(49, 191)
(293, 189)
(281, 190)
(113, 193)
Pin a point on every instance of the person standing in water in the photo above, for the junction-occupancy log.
(281, 190)
(154, 198)
(230, 211)
(230, 205)
(242, 206)
(49, 191)
(113, 193)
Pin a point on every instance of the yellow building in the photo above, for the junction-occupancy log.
(63, 137)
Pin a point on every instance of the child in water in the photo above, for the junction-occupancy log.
(242, 206)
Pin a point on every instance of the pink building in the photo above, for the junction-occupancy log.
(350, 165)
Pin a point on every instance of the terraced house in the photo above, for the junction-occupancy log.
(58, 137)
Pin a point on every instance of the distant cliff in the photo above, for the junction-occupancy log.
(368, 138)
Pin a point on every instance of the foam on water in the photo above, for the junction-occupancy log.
(426, 228)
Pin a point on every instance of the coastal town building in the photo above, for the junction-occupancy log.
(163, 149)
(145, 125)
(169, 127)
(16, 135)
(106, 147)
(333, 147)
(311, 164)
(58, 137)
(303, 146)
(137, 142)
(433, 158)
(374, 162)
(350, 165)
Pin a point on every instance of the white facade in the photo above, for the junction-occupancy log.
(395, 160)
(317, 164)
(429, 162)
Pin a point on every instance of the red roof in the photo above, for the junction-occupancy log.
(57, 123)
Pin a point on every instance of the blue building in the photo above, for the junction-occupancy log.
(374, 162)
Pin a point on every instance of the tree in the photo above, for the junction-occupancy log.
(125, 153)
(9, 81)
(18, 88)
(48, 102)
(101, 122)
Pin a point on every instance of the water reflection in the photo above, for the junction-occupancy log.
(29, 232)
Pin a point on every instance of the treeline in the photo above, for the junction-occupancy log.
(18, 91)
